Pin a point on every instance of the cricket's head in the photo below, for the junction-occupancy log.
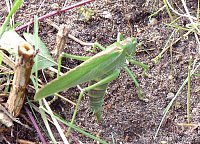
(130, 47)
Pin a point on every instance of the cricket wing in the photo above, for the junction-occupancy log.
(90, 69)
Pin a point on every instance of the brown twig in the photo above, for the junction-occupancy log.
(21, 78)
(36, 126)
(21, 141)
(61, 39)
(48, 21)
(11, 63)
(54, 13)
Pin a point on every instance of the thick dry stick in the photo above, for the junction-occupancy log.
(21, 78)
(54, 13)
(11, 64)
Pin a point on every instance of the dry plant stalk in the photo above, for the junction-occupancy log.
(21, 79)
(7, 60)
(61, 40)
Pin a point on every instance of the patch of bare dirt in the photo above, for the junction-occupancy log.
(126, 119)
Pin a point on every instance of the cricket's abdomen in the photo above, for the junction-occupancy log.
(96, 96)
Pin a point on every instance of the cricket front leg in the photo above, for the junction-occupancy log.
(97, 45)
(144, 66)
(139, 90)
(81, 58)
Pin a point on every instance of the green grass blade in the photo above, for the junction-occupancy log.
(59, 65)
(172, 101)
(76, 128)
(156, 13)
(56, 124)
(13, 10)
(35, 81)
(196, 75)
(36, 48)
(46, 123)
(168, 11)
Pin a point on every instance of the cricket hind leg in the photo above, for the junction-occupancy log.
(101, 83)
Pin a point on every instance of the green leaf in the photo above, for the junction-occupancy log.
(44, 60)
(10, 41)
(16, 6)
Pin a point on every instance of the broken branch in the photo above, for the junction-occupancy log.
(21, 78)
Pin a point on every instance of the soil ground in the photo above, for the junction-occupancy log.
(126, 119)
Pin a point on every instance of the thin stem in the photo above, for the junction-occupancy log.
(36, 126)
(59, 65)
(188, 92)
(75, 111)
(54, 13)
(198, 9)
(172, 101)
(168, 11)
(46, 123)
(183, 15)
(58, 127)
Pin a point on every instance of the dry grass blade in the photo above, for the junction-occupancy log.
(7, 60)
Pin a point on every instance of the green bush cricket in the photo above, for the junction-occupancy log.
(99, 70)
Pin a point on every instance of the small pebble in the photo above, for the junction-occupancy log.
(153, 21)
(128, 16)
(170, 95)
(163, 142)
(106, 14)
(170, 77)
(55, 6)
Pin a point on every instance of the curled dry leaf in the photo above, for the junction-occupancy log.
(4, 119)
(61, 40)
